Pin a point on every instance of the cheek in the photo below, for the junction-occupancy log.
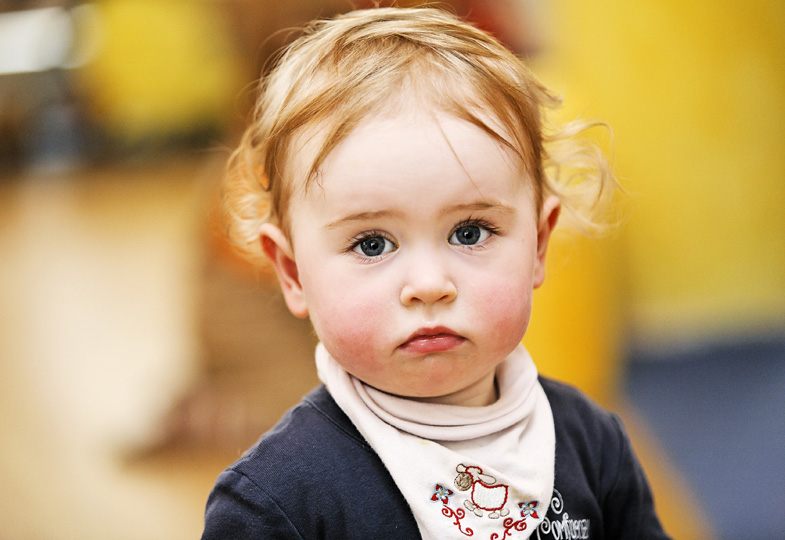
(505, 308)
(353, 325)
(348, 324)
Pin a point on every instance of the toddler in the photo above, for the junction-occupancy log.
(398, 178)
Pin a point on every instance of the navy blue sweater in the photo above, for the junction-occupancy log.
(313, 476)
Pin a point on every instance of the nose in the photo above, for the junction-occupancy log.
(428, 282)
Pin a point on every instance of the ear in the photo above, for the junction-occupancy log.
(549, 215)
(279, 250)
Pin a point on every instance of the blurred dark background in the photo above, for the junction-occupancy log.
(141, 356)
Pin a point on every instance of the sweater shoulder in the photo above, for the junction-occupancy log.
(315, 437)
(576, 413)
(312, 473)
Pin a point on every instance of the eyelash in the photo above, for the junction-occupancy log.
(477, 223)
(490, 230)
(357, 240)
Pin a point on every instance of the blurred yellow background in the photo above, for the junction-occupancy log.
(137, 351)
(695, 95)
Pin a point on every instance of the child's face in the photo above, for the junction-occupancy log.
(415, 255)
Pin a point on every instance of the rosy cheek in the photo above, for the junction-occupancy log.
(352, 329)
(509, 310)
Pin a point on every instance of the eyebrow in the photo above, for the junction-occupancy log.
(361, 216)
(482, 205)
(468, 207)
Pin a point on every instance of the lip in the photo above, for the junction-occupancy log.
(432, 340)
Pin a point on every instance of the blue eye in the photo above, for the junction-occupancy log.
(468, 235)
(373, 246)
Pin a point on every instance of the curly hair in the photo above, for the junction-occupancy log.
(342, 70)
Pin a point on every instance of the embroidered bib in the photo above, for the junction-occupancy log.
(485, 472)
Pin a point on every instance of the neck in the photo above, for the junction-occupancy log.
(480, 394)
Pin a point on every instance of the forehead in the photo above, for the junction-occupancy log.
(411, 152)
(414, 143)
(422, 88)
(406, 133)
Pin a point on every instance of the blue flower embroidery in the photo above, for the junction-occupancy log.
(529, 509)
(441, 494)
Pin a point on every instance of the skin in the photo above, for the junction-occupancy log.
(415, 256)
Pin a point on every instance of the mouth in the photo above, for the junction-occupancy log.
(432, 340)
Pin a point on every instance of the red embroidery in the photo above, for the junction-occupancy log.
(510, 524)
(485, 495)
(529, 509)
(442, 494)
(458, 515)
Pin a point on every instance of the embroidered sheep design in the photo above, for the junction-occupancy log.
(486, 494)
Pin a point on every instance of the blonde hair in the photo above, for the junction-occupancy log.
(342, 70)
